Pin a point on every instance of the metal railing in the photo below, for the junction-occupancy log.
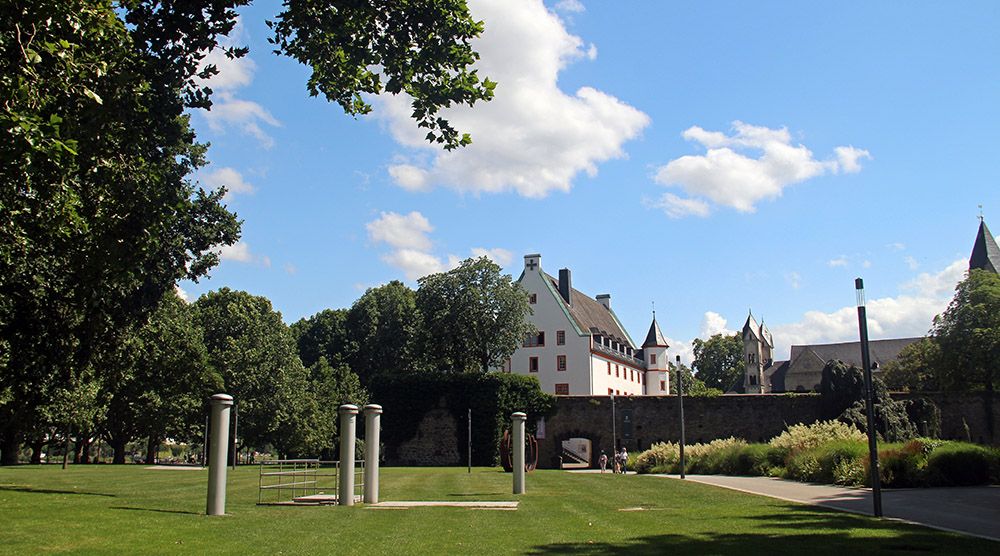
(303, 481)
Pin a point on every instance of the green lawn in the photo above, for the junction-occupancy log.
(116, 509)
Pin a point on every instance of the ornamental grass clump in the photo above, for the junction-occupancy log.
(802, 437)
(661, 457)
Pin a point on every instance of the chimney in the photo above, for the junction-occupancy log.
(605, 299)
(566, 285)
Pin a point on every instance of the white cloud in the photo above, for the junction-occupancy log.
(752, 164)
(532, 138)
(713, 323)
(182, 294)
(840, 261)
(676, 207)
(500, 256)
(228, 110)
(402, 232)
(906, 315)
(240, 252)
(411, 246)
(896, 246)
(226, 177)
(573, 6)
(291, 269)
(911, 262)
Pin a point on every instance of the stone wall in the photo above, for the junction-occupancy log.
(756, 418)
(656, 419)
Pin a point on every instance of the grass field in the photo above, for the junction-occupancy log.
(129, 509)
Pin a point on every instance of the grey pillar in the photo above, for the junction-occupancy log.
(219, 441)
(518, 420)
(348, 424)
(373, 420)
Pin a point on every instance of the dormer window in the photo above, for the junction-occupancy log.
(532, 298)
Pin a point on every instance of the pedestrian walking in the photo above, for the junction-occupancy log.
(603, 460)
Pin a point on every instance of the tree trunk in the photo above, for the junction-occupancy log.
(152, 445)
(36, 451)
(78, 449)
(118, 447)
(85, 453)
(8, 450)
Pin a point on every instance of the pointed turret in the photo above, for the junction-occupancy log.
(985, 253)
(654, 338)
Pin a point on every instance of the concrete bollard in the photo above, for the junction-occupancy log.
(518, 420)
(373, 420)
(221, 404)
(348, 425)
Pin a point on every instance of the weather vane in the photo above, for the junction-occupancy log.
(980, 213)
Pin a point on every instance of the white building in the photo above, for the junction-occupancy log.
(580, 347)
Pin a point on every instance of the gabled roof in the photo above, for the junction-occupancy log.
(751, 327)
(591, 316)
(654, 338)
(985, 253)
(881, 351)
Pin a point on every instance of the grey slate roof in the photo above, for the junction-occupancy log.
(654, 338)
(881, 351)
(985, 253)
(591, 316)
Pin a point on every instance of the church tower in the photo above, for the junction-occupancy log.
(985, 253)
(758, 346)
(654, 349)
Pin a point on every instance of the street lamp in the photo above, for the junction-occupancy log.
(680, 398)
(859, 286)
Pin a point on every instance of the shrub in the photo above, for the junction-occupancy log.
(960, 464)
(803, 437)
(659, 458)
(903, 466)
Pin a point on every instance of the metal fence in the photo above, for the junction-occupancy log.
(304, 481)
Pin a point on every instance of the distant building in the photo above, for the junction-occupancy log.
(580, 347)
(803, 371)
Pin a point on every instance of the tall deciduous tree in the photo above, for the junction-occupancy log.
(157, 382)
(253, 351)
(324, 335)
(474, 316)
(719, 360)
(968, 335)
(383, 327)
(916, 367)
(98, 219)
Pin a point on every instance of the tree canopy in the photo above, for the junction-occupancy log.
(719, 360)
(474, 316)
(968, 335)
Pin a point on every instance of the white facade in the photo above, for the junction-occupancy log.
(570, 360)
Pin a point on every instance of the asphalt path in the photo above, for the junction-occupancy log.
(969, 510)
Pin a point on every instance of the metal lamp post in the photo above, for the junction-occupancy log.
(680, 398)
(859, 286)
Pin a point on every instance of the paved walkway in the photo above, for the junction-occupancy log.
(968, 510)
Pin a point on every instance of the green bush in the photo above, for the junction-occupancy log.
(960, 464)
(803, 437)
(903, 466)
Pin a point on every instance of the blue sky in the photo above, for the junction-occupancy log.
(708, 157)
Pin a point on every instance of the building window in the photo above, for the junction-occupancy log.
(562, 389)
(560, 337)
(535, 340)
(753, 379)
(663, 386)
(609, 368)
(532, 298)
(652, 358)
(533, 364)
(560, 362)
(616, 372)
(611, 391)
(751, 357)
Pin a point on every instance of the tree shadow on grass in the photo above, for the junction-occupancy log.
(811, 531)
(52, 491)
(153, 510)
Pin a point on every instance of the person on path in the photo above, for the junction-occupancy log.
(603, 460)
(624, 458)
